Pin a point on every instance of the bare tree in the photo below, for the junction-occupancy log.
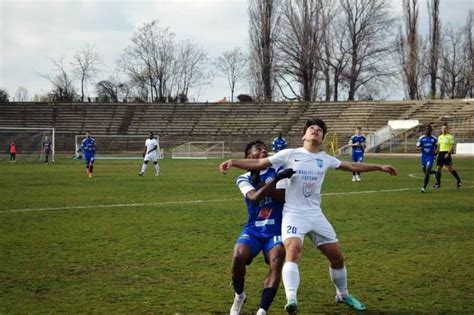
(3, 96)
(298, 44)
(329, 44)
(63, 88)
(190, 71)
(232, 64)
(468, 47)
(264, 20)
(112, 90)
(22, 94)
(149, 60)
(434, 44)
(455, 64)
(85, 65)
(334, 50)
(369, 24)
(408, 47)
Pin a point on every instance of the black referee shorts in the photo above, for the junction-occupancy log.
(442, 160)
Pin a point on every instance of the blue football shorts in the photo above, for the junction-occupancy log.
(357, 156)
(88, 159)
(257, 244)
(427, 162)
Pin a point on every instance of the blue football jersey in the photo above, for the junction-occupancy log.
(358, 139)
(427, 144)
(279, 144)
(88, 146)
(264, 216)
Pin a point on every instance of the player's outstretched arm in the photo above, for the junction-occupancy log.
(248, 164)
(366, 167)
(269, 189)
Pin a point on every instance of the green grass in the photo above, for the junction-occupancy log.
(121, 243)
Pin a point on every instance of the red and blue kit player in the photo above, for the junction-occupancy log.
(262, 231)
(357, 142)
(88, 152)
(427, 144)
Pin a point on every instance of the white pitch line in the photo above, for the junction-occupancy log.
(164, 203)
(120, 205)
(366, 192)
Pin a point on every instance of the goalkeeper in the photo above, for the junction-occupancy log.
(262, 231)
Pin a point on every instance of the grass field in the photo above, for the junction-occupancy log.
(120, 243)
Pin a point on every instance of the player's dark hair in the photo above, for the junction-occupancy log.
(254, 175)
(445, 124)
(318, 122)
(151, 134)
(250, 145)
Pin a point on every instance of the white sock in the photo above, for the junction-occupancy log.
(157, 168)
(339, 278)
(291, 279)
(143, 168)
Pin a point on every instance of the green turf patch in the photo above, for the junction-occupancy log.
(122, 243)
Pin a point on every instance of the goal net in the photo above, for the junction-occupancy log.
(199, 150)
(28, 141)
(116, 147)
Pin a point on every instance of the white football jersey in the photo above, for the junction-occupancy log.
(303, 189)
(151, 143)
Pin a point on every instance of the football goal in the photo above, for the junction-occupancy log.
(28, 141)
(199, 150)
(116, 147)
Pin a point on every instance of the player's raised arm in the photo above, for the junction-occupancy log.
(269, 189)
(366, 167)
(246, 164)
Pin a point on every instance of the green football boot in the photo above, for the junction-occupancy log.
(351, 301)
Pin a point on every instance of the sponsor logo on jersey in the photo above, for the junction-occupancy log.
(320, 163)
(308, 189)
(265, 213)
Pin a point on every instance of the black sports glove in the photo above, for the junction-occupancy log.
(284, 174)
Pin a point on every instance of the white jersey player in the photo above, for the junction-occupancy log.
(302, 214)
(151, 153)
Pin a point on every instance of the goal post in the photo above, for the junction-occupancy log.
(199, 150)
(116, 147)
(28, 140)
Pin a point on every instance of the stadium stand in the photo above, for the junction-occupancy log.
(234, 123)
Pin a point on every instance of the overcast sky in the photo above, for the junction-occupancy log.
(35, 30)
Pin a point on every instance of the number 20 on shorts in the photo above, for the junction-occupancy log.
(290, 229)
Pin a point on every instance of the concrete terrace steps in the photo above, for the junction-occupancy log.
(234, 123)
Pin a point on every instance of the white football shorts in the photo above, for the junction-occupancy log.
(315, 225)
(152, 156)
